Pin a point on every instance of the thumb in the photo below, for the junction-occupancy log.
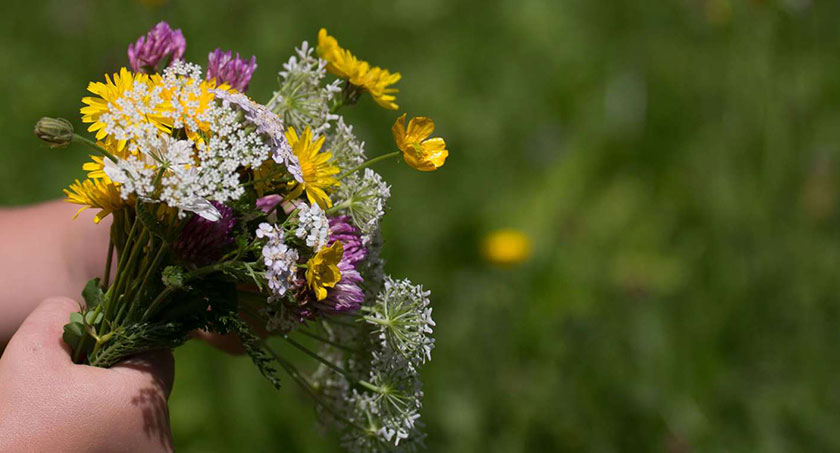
(39, 337)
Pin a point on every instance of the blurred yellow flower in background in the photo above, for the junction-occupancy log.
(419, 151)
(506, 247)
(344, 64)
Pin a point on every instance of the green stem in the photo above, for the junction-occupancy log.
(368, 164)
(344, 204)
(146, 272)
(107, 277)
(158, 300)
(78, 138)
(267, 178)
(111, 295)
(369, 386)
(307, 387)
(270, 103)
(316, 356)
(329, 342)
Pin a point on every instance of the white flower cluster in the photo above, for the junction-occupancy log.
(348, 152)
(268, 124)
(191, 174)
(313, 226)
(302, 100)
(280, 260)
(385, 409)
(403, 321)
(364, 200)
(128, 117)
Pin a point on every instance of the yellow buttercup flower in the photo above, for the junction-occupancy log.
(419, 151)
(119, 108)
(373, 79)
(315, 167)
(99, 193)
(322, 269)
(506, 247)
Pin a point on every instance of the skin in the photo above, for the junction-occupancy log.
(47, 253)
(48, 403)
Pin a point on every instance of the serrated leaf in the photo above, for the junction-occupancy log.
(253, 345)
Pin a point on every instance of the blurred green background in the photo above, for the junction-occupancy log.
(675, 163)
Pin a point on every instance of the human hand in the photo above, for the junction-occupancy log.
(48, 403)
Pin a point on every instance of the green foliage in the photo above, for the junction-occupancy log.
(73, 331)
(146, 212)
(92, 294)
(173, 277)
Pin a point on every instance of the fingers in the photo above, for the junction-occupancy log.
(39, 337)
(154, 370)
(227, 343)
(230, 343)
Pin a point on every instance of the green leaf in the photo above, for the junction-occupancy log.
(92, 293)
(253, 345)
(73, 332)
(76, 317)
(91, 320)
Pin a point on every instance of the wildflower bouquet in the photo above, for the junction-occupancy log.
(226, 210)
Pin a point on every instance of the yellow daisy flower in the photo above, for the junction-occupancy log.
(322, 269)
(315, 167)
(109, 95)
(373, 79)
(96, 168)
(419, 151)
(192, 104)
(99, 193)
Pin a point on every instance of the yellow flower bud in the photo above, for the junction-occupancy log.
(58, 132)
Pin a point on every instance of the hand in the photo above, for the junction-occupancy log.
(48, 403)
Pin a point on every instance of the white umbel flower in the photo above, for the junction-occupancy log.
(313, 226)
(364, 199)
(301, 99)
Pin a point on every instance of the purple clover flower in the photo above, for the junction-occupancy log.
(234, 71)
(347, 294)
(202, 241)
(160, 42)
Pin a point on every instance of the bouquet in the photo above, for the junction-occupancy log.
(238, 217)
